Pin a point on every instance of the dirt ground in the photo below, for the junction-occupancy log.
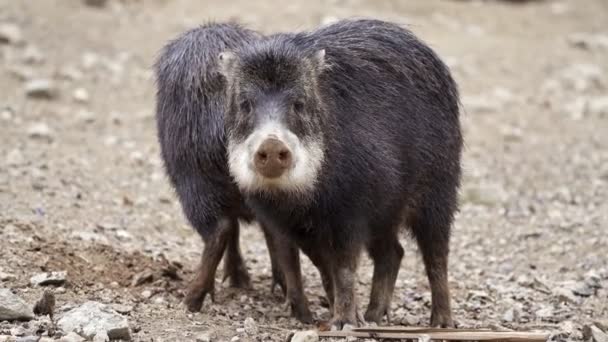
(82, 187)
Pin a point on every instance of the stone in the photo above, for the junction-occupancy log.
(72, 337)
(598, 107)
(94, 320)
(203, 337)
(305, 336)
(565, 295)
(10, 34)
(13, 307)
(40, 130)
(587, 41)
(122, 308)
(81, 95)
(594, 334)
(13, 158)
(33, 55)
(49, 278)
(251, 328)
(41, 88)
(28, 339)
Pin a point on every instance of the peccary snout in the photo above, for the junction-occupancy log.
(272, 158)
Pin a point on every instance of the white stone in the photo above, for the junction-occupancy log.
(41, 88)
(10, 33)
(13, 307)
(49, 278)
(305, 336)
(94, 320)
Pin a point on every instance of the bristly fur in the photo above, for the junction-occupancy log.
(386, 112)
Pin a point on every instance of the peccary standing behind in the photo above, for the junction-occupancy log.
(191, 102)
(337, 138)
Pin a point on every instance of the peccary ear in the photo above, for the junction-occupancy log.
(318, 60)
(226, 62)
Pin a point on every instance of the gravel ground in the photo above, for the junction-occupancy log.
(82, 189)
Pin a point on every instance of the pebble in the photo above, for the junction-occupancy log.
(251, 328)
(594, 334)
(588, 41)
(235, 339)
(203, 337)
(122, 308)
(49, 278)
(13, 158)
(13, 307)
(40, 130)
(510, 316)
(28, 339)
(565, 295)
(81, 95)
(41, 88)
(305, 336)
(544, 313)
(33, 55)
(410, 320)
(72, 337)
(598, 107)
(95, 320)
(582, 77)
(96, 3)
(10, 34)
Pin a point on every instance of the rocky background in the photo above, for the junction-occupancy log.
(92, 235)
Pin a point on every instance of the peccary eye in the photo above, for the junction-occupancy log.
(298, 106)
(245, 106)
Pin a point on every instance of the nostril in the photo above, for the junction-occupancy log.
(284, 155)
(262, 156)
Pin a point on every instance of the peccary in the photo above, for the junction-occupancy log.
(191, 102)
(337, 138)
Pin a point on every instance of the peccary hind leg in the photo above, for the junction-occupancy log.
(204, 279)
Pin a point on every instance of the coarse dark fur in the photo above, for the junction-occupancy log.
(191, 102)
(386, 111)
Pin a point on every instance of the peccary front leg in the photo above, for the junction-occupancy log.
(234, 267)
(277, 276)
(386, 254)
(204, 279)
(325, 271)
(344, 276)
(288, 261)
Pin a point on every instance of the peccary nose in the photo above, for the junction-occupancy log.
(272, 158)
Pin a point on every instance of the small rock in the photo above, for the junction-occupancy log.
(33, 55)
(95, 320)
(49, 278)
(583, 289)
(143, 277)
(569, 329)
(13, 308)
(203, 337)
(81, 95)
(70, 73)
(235, 339)
(40, 130)
(123, 309)
(594, 334)
(589, 41)
(28, 339)
(602, 324)
(10, 33)
(146, 294)
(582, 77)
(251, 328)
(305, 336)
(565, 295)
(511, 316)
(72, 337)
(13, 158)
(410, 320)
(90, 60)
(41, 88)
(22, 72)
(598, 107)
(7, 338)
(544, 313)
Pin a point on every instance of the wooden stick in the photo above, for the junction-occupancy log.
(441, 334)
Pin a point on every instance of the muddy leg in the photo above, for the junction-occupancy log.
(204, 280)
(277, 275)
(386, 254)
(288, 260)
(344, 276)
(234, 267)
(432, 236)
